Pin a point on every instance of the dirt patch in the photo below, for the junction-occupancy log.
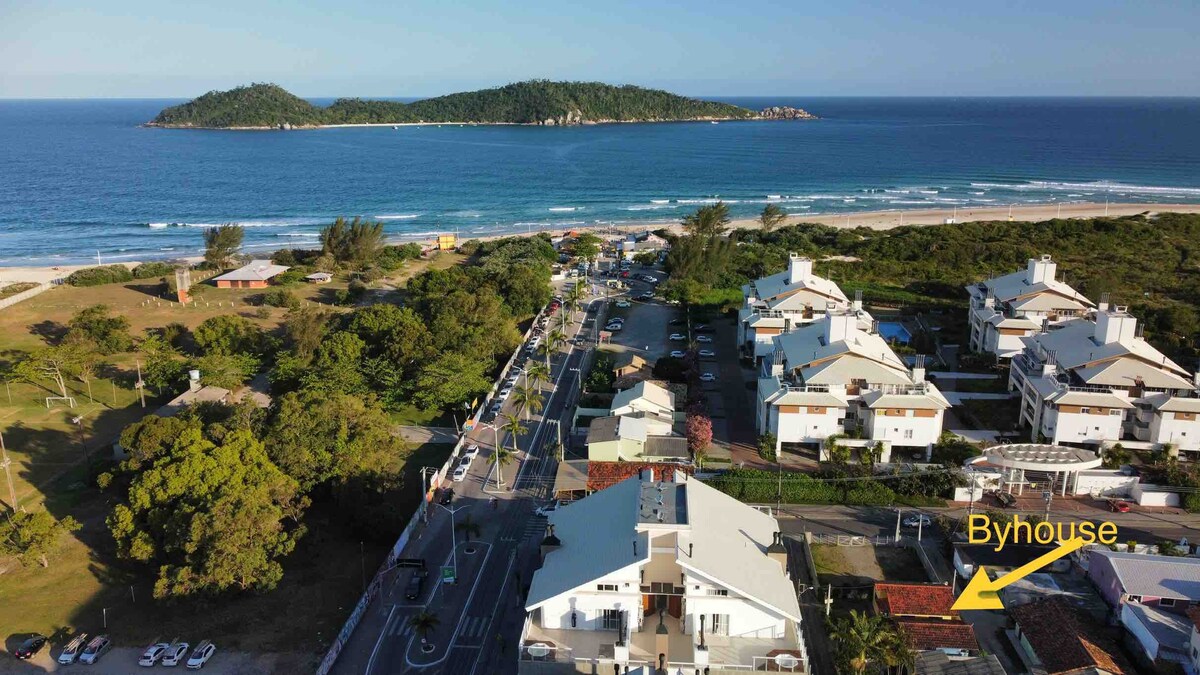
(842, 565)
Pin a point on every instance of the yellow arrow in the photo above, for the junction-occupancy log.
(982, 593)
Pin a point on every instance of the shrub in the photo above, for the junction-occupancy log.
(766, 446)
(392, 257)
(98, 276)
(280, 297)
(290, 277)
(153, 269)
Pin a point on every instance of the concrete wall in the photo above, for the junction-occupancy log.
(1064, 427)
(1101, 572)
(587, 602)
(925, 430)
(1105, 484)
(806, 427)
(1146, 497)
(1166, 427)
(24, 295)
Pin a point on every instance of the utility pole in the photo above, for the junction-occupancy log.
(1048, 495)
(140, 385)
(4, 462)
(828, 599)
(920, 521)
(971, 502)
(898, 512)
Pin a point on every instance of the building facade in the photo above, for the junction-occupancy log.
(779, 303)
(1007, 308)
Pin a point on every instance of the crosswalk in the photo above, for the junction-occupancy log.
(472, 630)
(401, 628)
(534, 527)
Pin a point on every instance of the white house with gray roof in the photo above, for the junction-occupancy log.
(835, 377)
(1007, 308)
(1097, 382)
(779, 303)
(667, 571)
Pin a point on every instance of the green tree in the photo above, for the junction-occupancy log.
(861, 640)
(766, 446)
(646, 258)
(152, 437)
(553, 341)
(356, 242)
(231, 334)
(210, 516)
(771, 217)
(528, 398)
(708, 222)
(95, 324)
(536, 373)
(55, 364)
(501, 458)
(221, 243)
(34, 536)
(162, 366)
(228, 371)
(586, 246)
(525, 289)
(338, 365)
(468, 527)
(450, 379)
(423, 622)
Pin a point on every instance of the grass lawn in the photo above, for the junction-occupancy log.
(321, 584)
(1003, 415)
(412, 416)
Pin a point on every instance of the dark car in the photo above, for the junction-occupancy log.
(1006, 499)
(447, 497)
(416, 583)
(32, 645)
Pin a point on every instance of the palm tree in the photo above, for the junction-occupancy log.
(537, 373)
(862, 640)
(708, 222)
(897, 654)
(468, 527)
(514, 427)
(575, 297)
(501, 457)
(424, 622)
(527, 397)
(554, 340)
(771, 217)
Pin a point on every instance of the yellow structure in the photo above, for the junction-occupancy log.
(447, 242)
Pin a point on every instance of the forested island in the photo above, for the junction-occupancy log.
(536, 102)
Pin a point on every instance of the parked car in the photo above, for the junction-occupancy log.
(95, 649)
(678, 337)
(919, 520)
(153, 653)
(471, 451)
(703, 338)
(174, 654)
(648, 295)
(708, 377)
(416, 584)
(676, 322)
(677, 354)
(1119, 506)
(701, 327)
(30, 646)
(649, 279)
(617, 319)
(460, 473)
(624, 303)
(495, 409)
(203, 652)
(625, 274)
(613, 327)
(707, 353)
(447, 497)
(504, 393)
(72, 650)
(1006, 499)
(464, 461)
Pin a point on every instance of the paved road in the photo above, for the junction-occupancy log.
(480, 617)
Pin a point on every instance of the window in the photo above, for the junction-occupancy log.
(719, 624)
(908, 433)
(610, 619)
(1085, 411)
(718, 591)
(607, 588)
(1166, 602)
(1114, 412)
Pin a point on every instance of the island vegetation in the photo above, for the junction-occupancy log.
(540, 102)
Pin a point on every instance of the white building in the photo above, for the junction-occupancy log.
(834, 377)
(668, 573)
(1007, 308)
(779, 303)
(1096, 382)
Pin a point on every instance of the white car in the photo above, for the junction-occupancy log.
(95, 649)
(153, 653)
(174, 654)
(649, 279)
(204, 652)
(703, 338)
(707, 353)
(470, 452)
(624, 303)
(613, 327)
(677, 354)
(460, 473)
(678, 337)
(921, 520)
(708, 377)
(71, 651)
(503, 395)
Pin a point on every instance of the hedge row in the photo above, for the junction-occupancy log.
(757, 486)
(153, 269)
(97, 276)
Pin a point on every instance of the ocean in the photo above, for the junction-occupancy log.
(79, 177)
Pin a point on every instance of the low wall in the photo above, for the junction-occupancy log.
(26, 294)
(1153, 495)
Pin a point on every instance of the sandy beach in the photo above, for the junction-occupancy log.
(876, 220)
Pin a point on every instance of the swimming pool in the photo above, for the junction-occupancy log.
(894, 331)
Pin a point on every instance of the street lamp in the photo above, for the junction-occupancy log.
(453, 541)
(87, 458)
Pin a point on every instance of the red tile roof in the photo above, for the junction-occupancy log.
(929, 634)
(908, 599)
(607, 474)
(1065, 641)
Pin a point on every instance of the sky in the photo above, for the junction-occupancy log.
(318, 48)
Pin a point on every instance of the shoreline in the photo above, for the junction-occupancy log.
(586, 123)
(875, 220)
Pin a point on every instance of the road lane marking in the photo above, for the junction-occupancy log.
(382, 633)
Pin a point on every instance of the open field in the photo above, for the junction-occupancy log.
(322, 581)
(879, 563)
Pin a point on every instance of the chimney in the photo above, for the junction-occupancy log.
(990, 299)
(799, 268)
(918, 371)
(1114, 325)
(838, 326)
(777, 552)
(1103, 306)
(857, 300)
(1040, 270)
(193, 380)
(550, 542)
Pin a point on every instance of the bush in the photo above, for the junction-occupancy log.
(392, 257)
(351, 295)
(280, 297)
(153, 269)
(290, 278)
(766, 446)
(98, 276)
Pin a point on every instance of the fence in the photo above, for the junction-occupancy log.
(930, 570)
(26, 294)
(369, 596)
(852, 540)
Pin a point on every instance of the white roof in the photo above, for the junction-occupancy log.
(255, 270)
(728, 544)
(649, 391)
(932, 399)
(1089, 398)
(770, 288)
(861, 356)
(1011, 286)
(814, 398)
(1168, 403)
(1156, 576)
(1115, 363)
